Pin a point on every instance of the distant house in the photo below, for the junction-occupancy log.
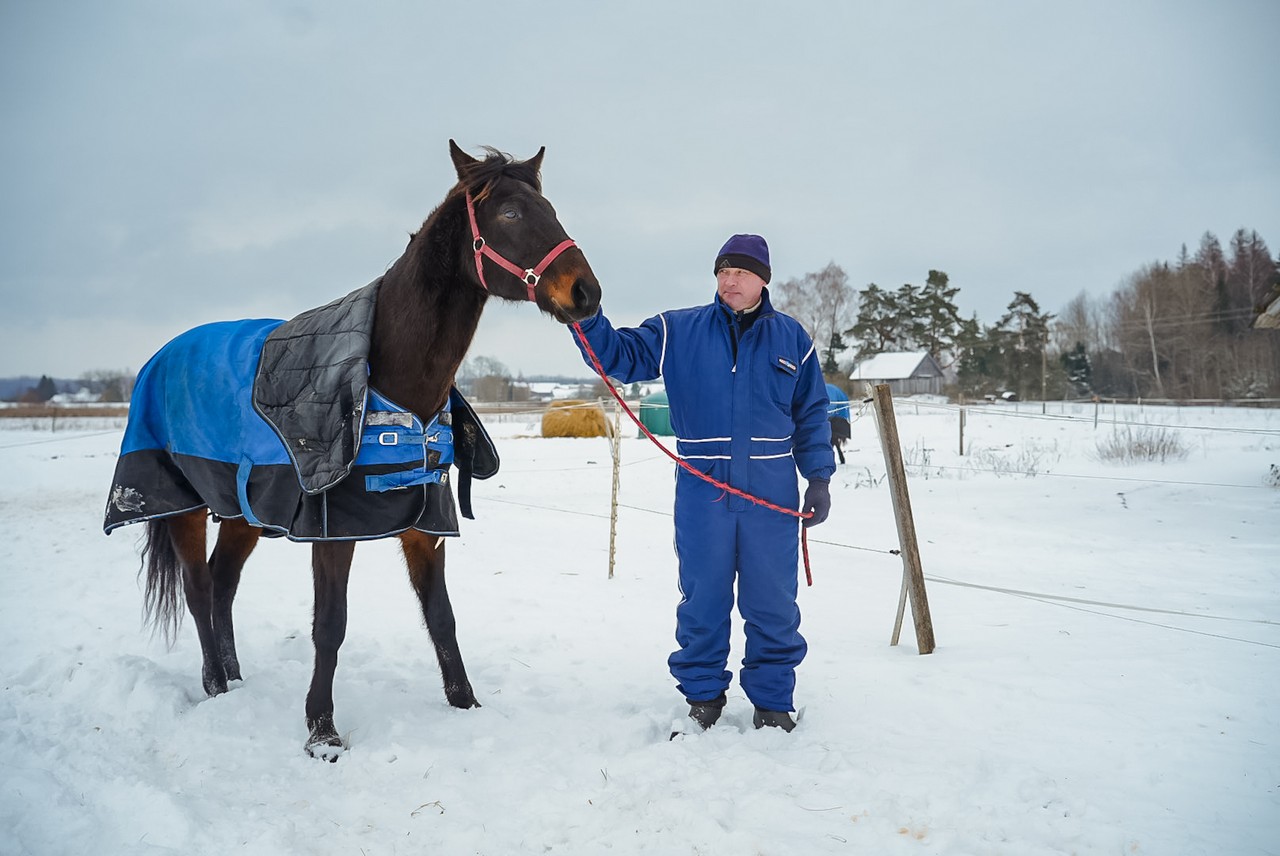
(908, 373)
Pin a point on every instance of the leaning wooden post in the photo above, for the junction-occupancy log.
(615, 446)
(912, 571)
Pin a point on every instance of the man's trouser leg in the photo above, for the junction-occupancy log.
(767, 587)
(707, 553)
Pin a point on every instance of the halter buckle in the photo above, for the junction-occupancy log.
(531, 278)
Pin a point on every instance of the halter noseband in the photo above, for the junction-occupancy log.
(529, 276)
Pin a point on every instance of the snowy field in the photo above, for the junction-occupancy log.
(1105, 682)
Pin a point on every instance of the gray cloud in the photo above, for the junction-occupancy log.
(169, 164)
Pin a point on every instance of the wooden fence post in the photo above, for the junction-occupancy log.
(912, 572)
(615, 446)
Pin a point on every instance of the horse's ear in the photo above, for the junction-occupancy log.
(462, 161)
(534, 166)
(536, 161)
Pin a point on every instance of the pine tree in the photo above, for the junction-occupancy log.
(830, 365)
(1079, 371)
(45, 389)
(876, 329)
(939, 318)
(1022, 336)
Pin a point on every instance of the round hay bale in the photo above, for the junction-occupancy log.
(575, 419)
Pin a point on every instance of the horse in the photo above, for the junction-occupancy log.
(384, 360)
(838, 415)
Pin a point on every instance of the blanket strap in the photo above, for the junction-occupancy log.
(404, 478)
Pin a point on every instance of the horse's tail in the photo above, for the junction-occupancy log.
(163, 593)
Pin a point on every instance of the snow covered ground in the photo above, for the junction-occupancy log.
(1105, 679)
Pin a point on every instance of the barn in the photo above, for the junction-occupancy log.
(907, 373)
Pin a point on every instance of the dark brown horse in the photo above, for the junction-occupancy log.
(427, 309)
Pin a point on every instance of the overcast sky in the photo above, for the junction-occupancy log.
(171, 163)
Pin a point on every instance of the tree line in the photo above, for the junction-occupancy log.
(1180, 329)
(106, 385)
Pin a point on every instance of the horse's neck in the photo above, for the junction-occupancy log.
(422, 330)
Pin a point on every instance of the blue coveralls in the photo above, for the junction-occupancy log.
(749, 413)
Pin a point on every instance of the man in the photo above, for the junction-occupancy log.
(749, 408)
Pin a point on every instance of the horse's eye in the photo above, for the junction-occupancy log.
(510, 214)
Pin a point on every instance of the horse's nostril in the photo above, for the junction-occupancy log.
(586, 294)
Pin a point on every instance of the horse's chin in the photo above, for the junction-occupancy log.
(570, 316)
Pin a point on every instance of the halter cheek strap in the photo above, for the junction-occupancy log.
(530, 276)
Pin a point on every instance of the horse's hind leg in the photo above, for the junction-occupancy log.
(236, 540)
(424, 555)
(189, 536)
(330, 569)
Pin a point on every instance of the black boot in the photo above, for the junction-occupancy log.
(704, 713)
(772, 719)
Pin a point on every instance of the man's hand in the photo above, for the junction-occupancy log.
(817, 499)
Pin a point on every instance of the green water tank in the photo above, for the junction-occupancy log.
(655, 415)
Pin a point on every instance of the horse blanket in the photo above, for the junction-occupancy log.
(838, 415)
(274, 421)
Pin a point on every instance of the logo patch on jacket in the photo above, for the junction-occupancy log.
(787, 364)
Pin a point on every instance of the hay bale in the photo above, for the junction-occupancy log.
(575, 419)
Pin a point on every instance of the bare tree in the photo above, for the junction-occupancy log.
(110, 384)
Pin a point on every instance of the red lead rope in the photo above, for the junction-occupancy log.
(804, 533)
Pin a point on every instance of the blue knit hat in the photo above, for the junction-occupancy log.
(749, 252)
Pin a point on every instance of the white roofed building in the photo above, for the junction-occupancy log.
(907, 373)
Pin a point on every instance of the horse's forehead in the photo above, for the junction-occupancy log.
(509, 188)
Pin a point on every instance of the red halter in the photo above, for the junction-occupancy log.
(529, 276)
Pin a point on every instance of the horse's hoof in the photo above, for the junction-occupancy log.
(325, 750)
(324, 742)
(460, 696)
(214, 684)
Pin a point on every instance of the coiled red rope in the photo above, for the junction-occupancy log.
(681, 462)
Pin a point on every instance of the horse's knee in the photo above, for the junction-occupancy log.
(329, 628)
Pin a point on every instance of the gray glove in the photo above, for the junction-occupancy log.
(817, 499)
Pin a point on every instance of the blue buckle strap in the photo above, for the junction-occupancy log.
(403, 479)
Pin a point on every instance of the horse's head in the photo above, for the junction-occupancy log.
(518, 249)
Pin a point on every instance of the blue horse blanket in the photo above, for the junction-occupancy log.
(275, 422)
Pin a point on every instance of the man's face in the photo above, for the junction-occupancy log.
(739, 289)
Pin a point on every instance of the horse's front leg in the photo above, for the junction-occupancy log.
(236, 540)
(424, 554)
(330, 569)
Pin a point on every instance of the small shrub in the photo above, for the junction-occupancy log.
(919, 458)
(1273, 478)
(869, 480)
(1026, 460)
(1132, 445)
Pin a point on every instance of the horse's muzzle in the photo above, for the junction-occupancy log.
(574, 293)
